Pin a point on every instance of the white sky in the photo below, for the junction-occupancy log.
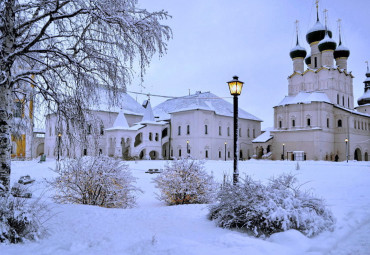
(216, 39)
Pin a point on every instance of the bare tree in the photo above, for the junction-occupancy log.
(67, 49)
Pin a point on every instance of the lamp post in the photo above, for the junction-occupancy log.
(225, 150)
(235, 87)
(346, 140)
(187, 147)
(59, 139)
(283, 151)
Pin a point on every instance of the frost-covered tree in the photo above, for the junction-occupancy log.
(185, 182)
(67, 49)
(100, 181)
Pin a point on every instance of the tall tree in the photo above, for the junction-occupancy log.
(67, 49)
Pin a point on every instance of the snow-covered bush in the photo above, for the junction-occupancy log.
(21, 219)
(262, 210)
(185, 181)
(101, 181)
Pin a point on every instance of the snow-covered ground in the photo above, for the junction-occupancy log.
(154, 228)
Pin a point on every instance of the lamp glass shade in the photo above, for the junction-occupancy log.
(235, 86)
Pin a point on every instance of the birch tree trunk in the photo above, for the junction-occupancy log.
(8, 45)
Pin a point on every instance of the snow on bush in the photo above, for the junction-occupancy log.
(262, 210)
(21, 219)
(185, 181)
(101, 181)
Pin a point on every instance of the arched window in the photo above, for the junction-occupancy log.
(206, 129)
(339, 123)
(179, 152)
(293, 123)
(327, 123)
(179, 130)
(280, 124)
(343, 100)
(228, 131)
(150, 136)
(309, 122)
(156, 136)
(206, 153)
(337, 98)
(188, 129)
(219, 130)
(101, 129)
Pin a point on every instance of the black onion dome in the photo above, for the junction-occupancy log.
(341, 51)
(298, 52)
(365, 98)
(308, 60)
(327, 44)
(317, 33)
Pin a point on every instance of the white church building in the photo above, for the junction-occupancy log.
(318, 120)
(198, 125)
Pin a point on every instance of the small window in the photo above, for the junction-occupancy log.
(171, 153)
(206, 153)
(150, 136)
(219, 130)
(280, 124)
(89, 129)
(219, 154)
(337, 98)
(343, 100)
(293, 123)
(206, 129)
(179, 130)
(228, 131)
(101, 129)
(254, 133)
(355, 124)
(348, 102)
(240, 154)
(188, 129)
(228, 154)
(156, 136)
(327, 123)
(85, 152)
(309, 122)
(248, 132)
(180, 153)
(18, 109)
(339, 123)
(315, 62)
(240, 132)
(100, 151)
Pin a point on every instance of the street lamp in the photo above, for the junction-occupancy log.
(187, 147)
(235, 87)
(283, 151)
(346, 140)
(225, 150)
(59, 140)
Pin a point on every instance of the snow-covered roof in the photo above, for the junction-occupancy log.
(297, 47)
(341, 47)
(120, 123)
(124, 101)
(264, 137)
(365, 95)
(148, 113)
(199, 101)
(305, 98)
(326, 39)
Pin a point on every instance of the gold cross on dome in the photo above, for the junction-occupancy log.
(326, 16)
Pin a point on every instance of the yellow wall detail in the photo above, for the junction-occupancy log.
(20, 146)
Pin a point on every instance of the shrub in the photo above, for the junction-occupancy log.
(185, 182)
(101, 181)
(21, 219)
(262, 210)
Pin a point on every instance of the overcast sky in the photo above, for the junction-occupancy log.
(214, 40)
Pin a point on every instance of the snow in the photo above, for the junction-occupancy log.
(148, 113)
(305, 98)
(199, 101)
(317, 27)
(366, 94)
(152, 228)
(342, 48)
(298, 47)
(120, 122)
(264, 137)
(326, 39)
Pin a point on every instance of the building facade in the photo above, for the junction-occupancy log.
(318, 120)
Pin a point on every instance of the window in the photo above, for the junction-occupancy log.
(228, 131)
(228, 154)
(240, 154)
(315, 62)
(171, 153)
(180, 153)
(101, 129)
(206, 153)
(100, 151)
(348, 102)
(89, 129)
(339, 123)
(179, 130)
(240, 132)
(18, 109)
(293, 123)
(219, 154)
(355, 124)
(254, 133)
(164, 132)
(206, 129)
(343, 100)
(327, 122)
(337, 98)
(309, 122)
(248, 132)
(150, 136)
(219, 130)
(85, 152)
(280, 124)
(188, 129)
(156, 136)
